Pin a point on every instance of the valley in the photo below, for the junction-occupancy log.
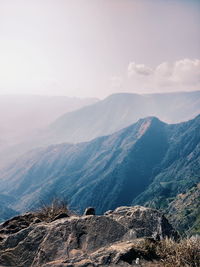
(148, 163)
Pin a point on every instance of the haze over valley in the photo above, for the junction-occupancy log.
(99, 133)
(23, 115)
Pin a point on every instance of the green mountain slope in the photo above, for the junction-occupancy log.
(149, 162)
(81, 171)
(184, 211)
(180, 167)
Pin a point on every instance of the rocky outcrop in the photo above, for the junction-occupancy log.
(89, 211)
(113, 239)
(143, 222)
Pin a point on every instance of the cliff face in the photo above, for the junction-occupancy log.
(184, 211)
(112, 239)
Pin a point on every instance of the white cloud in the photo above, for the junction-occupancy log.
(168, 76)
(186, 71)
(139, 69)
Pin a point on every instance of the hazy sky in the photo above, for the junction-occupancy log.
(98, 47)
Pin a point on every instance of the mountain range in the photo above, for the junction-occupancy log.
(149, 163)
(105, 117)
(119, 111)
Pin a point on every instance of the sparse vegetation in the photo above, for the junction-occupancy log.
(184, 212)
(185, 253)
(49, 212)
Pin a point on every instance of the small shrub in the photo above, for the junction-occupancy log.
(48, 212)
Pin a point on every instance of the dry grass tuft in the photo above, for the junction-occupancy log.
(185, 253)
(49, 212)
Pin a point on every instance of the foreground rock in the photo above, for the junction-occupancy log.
(113, 239)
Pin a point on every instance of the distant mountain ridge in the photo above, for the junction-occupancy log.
(147, 162)
(121, 110)
(108, 116)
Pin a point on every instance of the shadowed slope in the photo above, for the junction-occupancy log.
(149, 161)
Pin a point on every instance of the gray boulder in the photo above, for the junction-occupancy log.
(114, 239)
(89, 211)
(145, 222)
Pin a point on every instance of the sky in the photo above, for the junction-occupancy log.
(94, 48)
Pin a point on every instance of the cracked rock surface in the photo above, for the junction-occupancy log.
(112, 239)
